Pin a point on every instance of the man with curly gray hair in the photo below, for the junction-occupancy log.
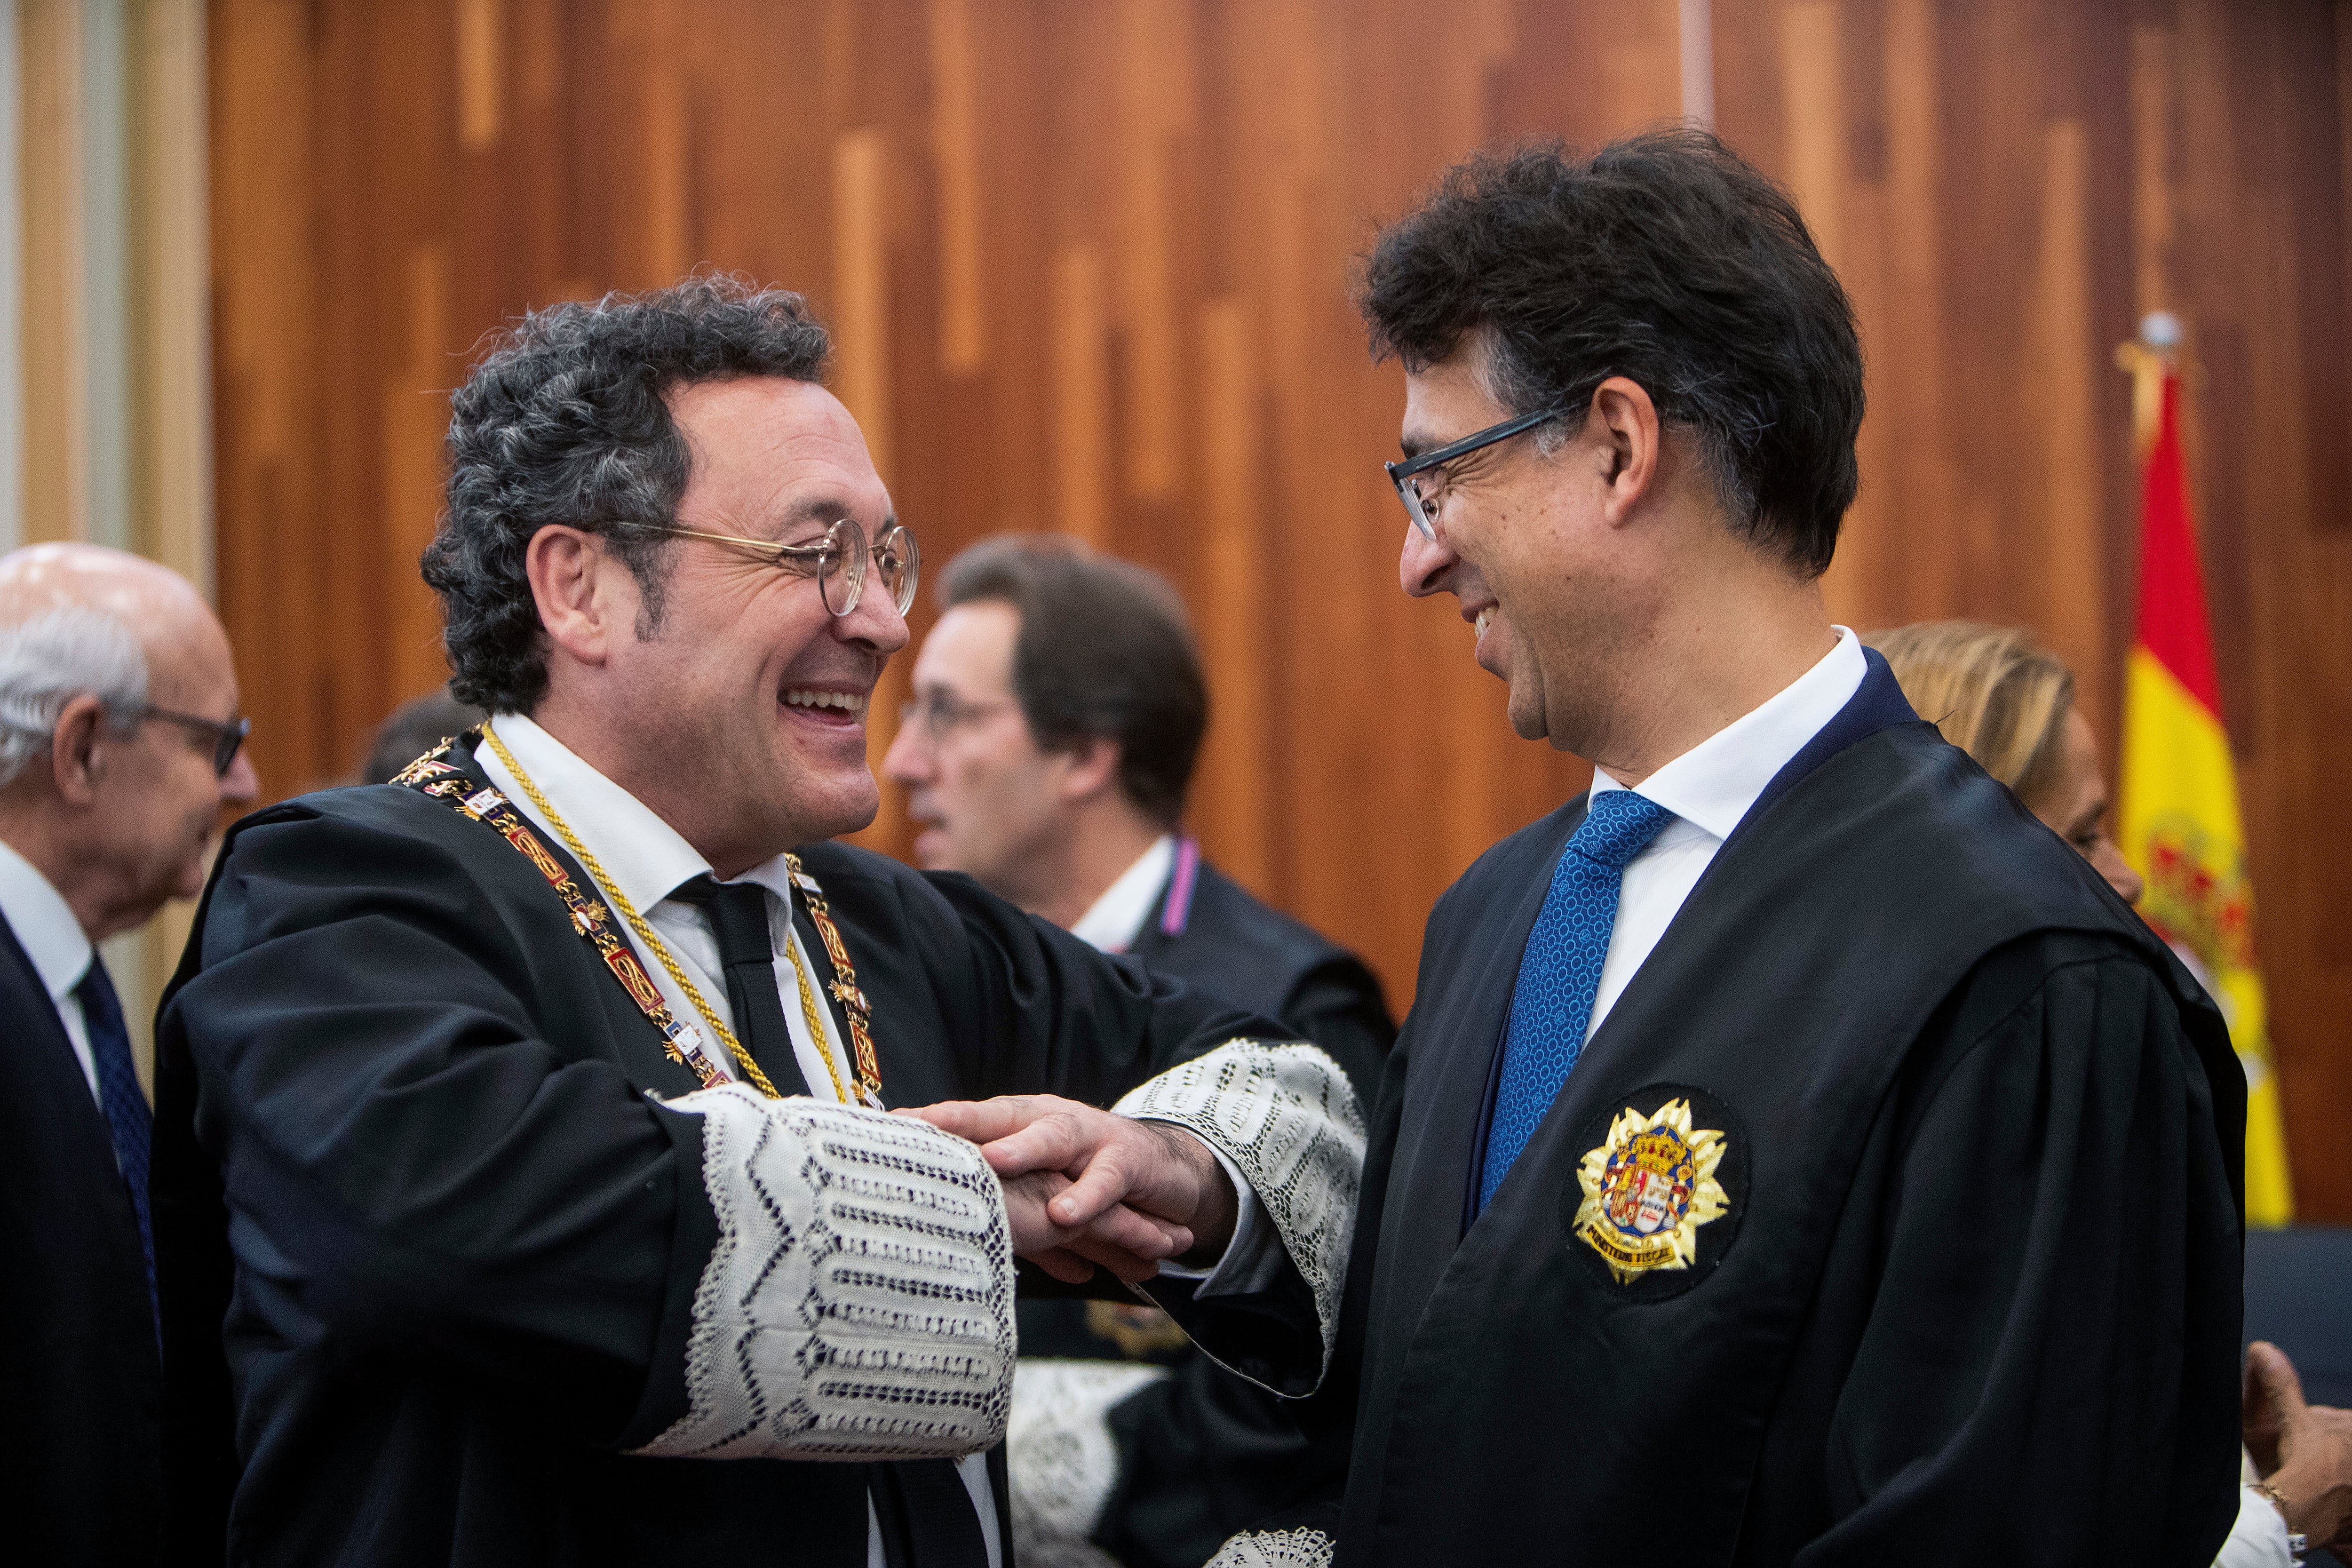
(523, 1122)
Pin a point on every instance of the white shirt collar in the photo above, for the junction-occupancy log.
(1114, 920)
(1715, 783)
(45, 925)
(646, 857)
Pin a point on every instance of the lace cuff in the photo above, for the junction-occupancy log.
(1287, 1116)
(1061, 1457)
(859, 1302)
(1275, 1549)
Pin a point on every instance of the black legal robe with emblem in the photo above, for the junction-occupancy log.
(1972, 1292)
(408, 1177)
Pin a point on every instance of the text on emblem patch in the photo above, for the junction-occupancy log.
(1648, 1188)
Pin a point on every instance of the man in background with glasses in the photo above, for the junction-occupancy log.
(120, 743)
(1796, 1153)
(523, 1129)
(1059, 706)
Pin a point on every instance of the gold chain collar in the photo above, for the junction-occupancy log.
(869, 1077)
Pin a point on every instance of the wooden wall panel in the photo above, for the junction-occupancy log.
(1088, 264)
(2005, 186)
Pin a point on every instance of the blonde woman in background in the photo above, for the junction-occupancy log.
(2009, 702)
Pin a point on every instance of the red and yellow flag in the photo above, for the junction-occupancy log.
(2178, 822)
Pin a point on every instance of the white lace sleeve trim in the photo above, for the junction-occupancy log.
(1275, 1549)
(1062, 1458)
(859, 1302)
(1287, 1116)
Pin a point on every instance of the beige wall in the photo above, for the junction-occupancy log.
(107, 427)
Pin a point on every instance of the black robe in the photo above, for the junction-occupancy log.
(80, 1387)
(1203, 1453)
(410, 1174)
(1974, 1297)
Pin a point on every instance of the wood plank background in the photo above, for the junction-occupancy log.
(1087, 262)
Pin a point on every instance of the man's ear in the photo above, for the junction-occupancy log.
(77, 750)
(1625, 425)
(577, 600)
(1090, 768)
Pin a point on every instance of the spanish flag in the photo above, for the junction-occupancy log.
(2178, 822)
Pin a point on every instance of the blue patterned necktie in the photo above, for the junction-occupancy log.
(127, 1116)
(1561, 972)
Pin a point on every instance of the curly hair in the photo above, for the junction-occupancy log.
(566, 420)
(1665, 258)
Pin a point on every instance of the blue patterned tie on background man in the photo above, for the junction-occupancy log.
(127, 1116)
(1560, 971)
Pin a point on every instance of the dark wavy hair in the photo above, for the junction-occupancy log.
(1104, 650)
(1664, 258)
(567, 420)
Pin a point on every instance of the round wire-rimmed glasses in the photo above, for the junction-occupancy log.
(839, 561)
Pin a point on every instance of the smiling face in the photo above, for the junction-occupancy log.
(989, 800)
(1524, 544)
(739, 714)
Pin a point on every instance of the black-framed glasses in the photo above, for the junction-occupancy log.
(229, 738)
(839, 561)
(1420, 482)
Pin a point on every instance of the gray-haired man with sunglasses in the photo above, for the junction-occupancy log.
(524, 1120)
(118, 746)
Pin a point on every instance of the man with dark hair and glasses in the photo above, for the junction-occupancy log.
(1795, 1153)
(1059, 706)
(523, 1127)
(118, 746)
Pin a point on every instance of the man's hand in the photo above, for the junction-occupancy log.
(2304, 1451)
(1128, 1244)
(1116, 1175)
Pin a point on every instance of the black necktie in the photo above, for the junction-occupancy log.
(738, 914)
(127, 1117)
(926, 1515)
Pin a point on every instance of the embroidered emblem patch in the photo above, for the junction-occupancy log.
(1648, 1188)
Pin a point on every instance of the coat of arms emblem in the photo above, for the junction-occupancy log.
(1648, 1188)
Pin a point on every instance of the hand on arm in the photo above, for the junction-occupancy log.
(2304, 1451)
(1085, 1186)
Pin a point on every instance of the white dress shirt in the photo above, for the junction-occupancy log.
(53, 939)
(1709, 788)
(1114, 920)
(647, 861)
(2258, 1536)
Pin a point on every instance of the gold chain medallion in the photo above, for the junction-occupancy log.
(1648, 1188)
(854, 1006)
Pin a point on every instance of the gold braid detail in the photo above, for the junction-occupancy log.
(814, 1021)
(638, 923)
